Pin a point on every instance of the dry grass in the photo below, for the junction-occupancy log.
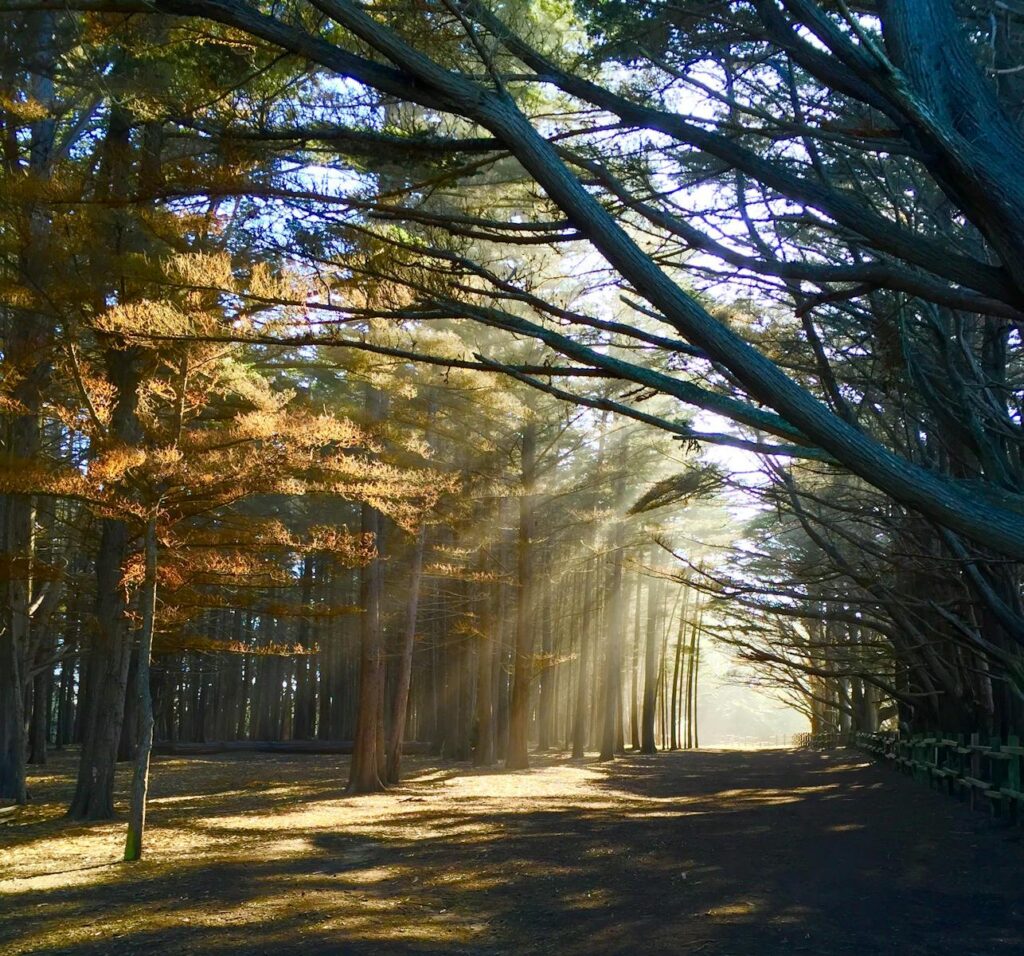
(266, 820)
(710, 853)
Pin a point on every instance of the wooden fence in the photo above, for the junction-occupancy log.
(987, 774)
(823, 741)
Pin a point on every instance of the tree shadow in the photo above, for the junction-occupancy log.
(711, 853)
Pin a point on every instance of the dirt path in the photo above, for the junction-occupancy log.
(711, 853)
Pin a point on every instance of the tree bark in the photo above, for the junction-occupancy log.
(579, 727)
(39, 728)
(483, 755)
(28, 350)
(517, 756)
(366, 771)
(546, 690)
(648, 744)
(305, 684)
(403, 680)
(144, 707)
(616, 625)
(634, 667)
(365, 774)
(110, 649)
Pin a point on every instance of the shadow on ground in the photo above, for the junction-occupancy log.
(711, 853)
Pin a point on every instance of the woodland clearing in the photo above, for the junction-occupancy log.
(713, 852)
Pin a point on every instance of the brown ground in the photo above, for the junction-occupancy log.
(711, 853)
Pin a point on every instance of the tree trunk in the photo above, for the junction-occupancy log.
(403, 680)
(27, 351)
(546, 698)
(130, 721)
(695, 667)
(110, 649)
(305, 685)
(579, 727)
(365, 775)
(691, 656)
(144, 705)
(483, 755)
(676, 678)
(366, 772)
(634, 667)
(517, 756)
(107, 681)
(65, 702)
(39, 729)
(654, 596)
(616, 623)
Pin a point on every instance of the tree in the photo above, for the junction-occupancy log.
(865, 347)
(517, 755)
(858, 70)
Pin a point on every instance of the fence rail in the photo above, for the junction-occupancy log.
(987, 774)
(826, 741)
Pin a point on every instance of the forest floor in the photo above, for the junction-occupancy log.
(709, 853)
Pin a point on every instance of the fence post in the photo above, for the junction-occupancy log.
(998, 778)
(1013, 777)
(961, 766)
(975, 759)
